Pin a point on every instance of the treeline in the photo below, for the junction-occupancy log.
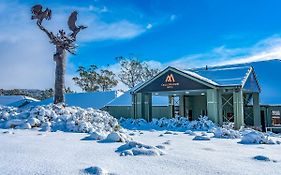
(132, 72)
(34, 93)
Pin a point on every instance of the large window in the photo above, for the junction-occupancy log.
(275, 115)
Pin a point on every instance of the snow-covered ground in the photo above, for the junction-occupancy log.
(56, 139)
(28, 152)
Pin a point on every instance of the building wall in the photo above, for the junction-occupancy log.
(127, 111)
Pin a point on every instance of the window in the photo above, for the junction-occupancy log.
(275, 116)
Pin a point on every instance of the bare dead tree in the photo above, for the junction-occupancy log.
(62, 42)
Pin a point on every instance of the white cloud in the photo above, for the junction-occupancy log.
(267, 49)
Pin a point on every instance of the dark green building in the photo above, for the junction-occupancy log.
(229, 93)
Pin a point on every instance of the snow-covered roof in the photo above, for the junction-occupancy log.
(224, 76)
(15, 100)
(267, 73)
(95, 100)
(126, 100)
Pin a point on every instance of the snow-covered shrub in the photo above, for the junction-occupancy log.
(226, 133)
(177, 123)
(133, 148)
(60, 117)
(203, 123)
(13, 123)
(24, 126)
(255, 137)
(34, 122)
(7, 112)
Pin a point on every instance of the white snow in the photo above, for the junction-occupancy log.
(64, 153)
(106, 147)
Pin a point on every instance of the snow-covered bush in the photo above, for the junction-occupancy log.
(203, 123)
(226, 133)
(59, 117)
(177, 123)
(255, 137)
(133, 148)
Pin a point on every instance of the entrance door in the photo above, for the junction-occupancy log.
(190, 115)
(263, 120)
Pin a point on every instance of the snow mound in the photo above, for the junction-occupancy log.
(226, 133)
(59, 117)
(133, 148)
(117, 137)
(201, 138)
(255, 137)
(97, 136)
(178, 123)
(96, 171)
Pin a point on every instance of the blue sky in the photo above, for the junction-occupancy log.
(182, 33)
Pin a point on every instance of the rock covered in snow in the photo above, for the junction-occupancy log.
(201, 138)
(133, 148)
(189, 132)
(261, 158)
(96, 171)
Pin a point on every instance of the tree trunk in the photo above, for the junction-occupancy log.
(59, 58)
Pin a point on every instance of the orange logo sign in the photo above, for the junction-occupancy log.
(170, 79)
